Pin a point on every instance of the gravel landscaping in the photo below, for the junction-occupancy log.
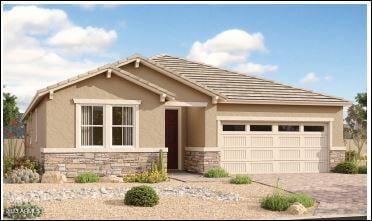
(178, 200)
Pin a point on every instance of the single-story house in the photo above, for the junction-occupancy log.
(116, 118)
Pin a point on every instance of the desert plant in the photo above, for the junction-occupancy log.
(350, 155)
(24, 176)
(146, 177)
(23, 211)
(141, 196)
(302, 198)
(8, 166)
(27, 162)
(216, 172)
(161, 168)
(346, 167)
(362, 169)
(275, 202)
(87, 177)
(241, 179)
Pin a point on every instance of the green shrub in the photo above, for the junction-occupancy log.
(146, 177)
(304, 199)
(241, 179)
(141, 196)
(23, 211)
(280, 202)
(350, 155)
(275, 202)
(216, 172)
(87, 177)
(8, 166)
(24, 176)
(362, 169)
(346, 167)
(161, 168)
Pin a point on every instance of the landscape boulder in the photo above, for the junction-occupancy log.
(111, 179)
(297, 209)
(53, 177)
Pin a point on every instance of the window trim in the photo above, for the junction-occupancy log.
(134, 126)
(103, 126)
(107, 120)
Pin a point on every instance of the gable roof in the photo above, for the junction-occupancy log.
(106, 68)
(242, 88)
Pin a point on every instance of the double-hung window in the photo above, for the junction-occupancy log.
(106, 123)
(91, 125)
(122, 126)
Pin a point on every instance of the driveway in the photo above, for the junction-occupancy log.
(338, 194)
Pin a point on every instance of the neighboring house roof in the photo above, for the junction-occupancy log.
(242, 88)
(223, 85)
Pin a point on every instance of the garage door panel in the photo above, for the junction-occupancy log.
(259, 167)
(289, 167)
(316, 154)
(289, 141)
(289, 154)
(315, 141)
(235, 141)
(262, 141)
(257, 155)
(275, 151)
(235, 155)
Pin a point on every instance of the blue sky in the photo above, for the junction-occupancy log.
(326, 43)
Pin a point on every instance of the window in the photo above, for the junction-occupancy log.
(313, 128)
(232, 127)
(122, 126)
(91, 125)
(288, 128)
(261, 127)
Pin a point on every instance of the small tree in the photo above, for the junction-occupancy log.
(357, 122)
(10, 109)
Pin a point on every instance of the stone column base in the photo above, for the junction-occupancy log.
(336, 157)
(199, 160)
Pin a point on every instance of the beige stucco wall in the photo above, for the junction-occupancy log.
(282, 111)
(61, 110)
(182, 91)
(195, 127)
(37, 130)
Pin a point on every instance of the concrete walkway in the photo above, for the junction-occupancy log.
(338, 194)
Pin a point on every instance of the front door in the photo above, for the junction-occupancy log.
(171, 138)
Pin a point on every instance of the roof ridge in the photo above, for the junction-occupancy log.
(255, 77)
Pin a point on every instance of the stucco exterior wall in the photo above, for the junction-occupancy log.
(195, 127)
(182, 91)
(284, 111)
(36, 131)
(61, 110)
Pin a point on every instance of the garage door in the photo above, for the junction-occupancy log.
(274, 147)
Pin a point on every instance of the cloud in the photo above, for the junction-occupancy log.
(231, 46)
(77, 40)
(32, 46)
(88, 7)
(255, 69)
(309, 78)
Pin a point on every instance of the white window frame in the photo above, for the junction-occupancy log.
(103, 126)
(107, 120)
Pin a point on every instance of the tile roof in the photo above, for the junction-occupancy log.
(242, 88)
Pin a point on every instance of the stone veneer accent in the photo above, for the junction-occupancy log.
(101, 163)
(336, 157)
(201, 161)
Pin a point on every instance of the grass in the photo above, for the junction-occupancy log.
(87, 177)
(280, 202)
(216, 172)
(241, 179)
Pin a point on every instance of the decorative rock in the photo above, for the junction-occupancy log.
(297, 209)
(111, 179)
(6, 204)
(53, 177)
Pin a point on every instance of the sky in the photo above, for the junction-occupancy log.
(316, 47)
